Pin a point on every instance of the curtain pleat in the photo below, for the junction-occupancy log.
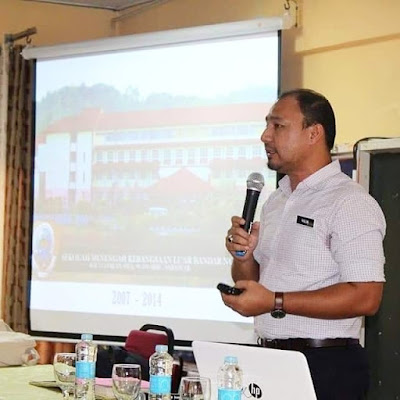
(18, 185)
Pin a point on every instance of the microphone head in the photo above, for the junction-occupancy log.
(255, 181)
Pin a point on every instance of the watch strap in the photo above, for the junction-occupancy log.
(278, 301)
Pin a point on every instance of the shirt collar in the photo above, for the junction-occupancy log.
(315, 181)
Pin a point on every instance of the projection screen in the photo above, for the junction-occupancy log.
(143, 145)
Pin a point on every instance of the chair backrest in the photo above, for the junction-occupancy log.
(143, 342)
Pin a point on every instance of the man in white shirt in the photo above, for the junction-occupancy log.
(313, 265)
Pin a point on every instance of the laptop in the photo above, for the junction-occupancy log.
(268, 374)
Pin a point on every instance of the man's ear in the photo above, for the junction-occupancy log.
(317, 133)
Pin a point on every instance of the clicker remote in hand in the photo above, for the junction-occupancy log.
(224, 288)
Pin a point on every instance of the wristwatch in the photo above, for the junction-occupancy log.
(278, 312)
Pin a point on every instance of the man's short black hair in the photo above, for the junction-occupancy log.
(316, 109)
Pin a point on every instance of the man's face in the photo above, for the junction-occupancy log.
(284, 138)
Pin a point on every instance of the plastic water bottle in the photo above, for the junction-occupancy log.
(230, 380)
(160, 365)
(85, 374)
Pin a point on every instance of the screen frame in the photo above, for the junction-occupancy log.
(106, 339)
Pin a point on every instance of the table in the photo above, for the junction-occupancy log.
(14, 383)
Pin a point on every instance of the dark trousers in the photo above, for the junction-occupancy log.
(339, 373)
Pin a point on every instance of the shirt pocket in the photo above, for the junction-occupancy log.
(304, 247)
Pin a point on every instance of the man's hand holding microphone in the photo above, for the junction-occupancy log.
(241, 240)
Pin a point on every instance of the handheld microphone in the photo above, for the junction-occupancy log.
(255, 183)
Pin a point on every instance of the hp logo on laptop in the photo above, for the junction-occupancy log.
(253, 390)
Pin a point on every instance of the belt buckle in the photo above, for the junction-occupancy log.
(271, 343)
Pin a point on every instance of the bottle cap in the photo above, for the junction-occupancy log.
(231, 360)
(87, 336)
(161, 348)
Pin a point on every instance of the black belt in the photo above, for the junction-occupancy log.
(300, 344)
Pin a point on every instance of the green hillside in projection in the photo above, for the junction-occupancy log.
(70, 100)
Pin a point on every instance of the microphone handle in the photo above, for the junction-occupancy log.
(249, 210)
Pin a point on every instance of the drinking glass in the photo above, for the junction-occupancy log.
(30, 357)
(64, 372)
(126, 380)
(195, 388)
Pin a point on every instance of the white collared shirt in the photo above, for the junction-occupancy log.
(328, 230)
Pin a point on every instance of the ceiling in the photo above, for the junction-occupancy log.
(112, 5)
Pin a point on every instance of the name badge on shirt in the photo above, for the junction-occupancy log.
(305, 221)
